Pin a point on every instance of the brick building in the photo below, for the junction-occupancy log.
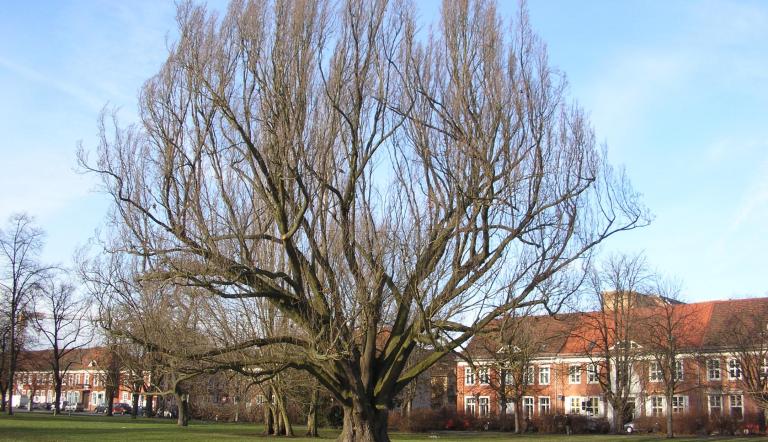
(84, 382)
(561, 373)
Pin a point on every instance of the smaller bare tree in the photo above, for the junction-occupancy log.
(747, 337)
(610, 330)
(20, 274)
(61, 319)
(671, 331)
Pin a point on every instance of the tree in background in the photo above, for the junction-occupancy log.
(672, 329)
(747, 337)
(510, 345)
(611, 329)
(325, 158)
(62, 320)
(20, 276)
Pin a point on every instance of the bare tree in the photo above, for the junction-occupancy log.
(747, 338)
(20, 274)
(361, 178)
(62, 320)
(510, 345)
(671, 332)
(612, 328)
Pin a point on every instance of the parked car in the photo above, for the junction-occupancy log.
(121, 409)
(73, 406)
(637, 427)
(100, 409)
(41, 406)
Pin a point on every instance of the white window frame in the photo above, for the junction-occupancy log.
(734, 369)
(544, 374)
(592, 374)
(469, 376)
(483, 376)
(714, 372)
(657, 405)
(484, 406)
(679, 404)
(545, 405)
(529, 375)
(679, 370)
(574, 404)
(470, 405)
(529, 406)
(590, 406)
(574, 374)
(717, 405)
(509, 378)
(736, 401)
(655, 374)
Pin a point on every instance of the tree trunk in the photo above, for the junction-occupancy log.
(364, 425)
(761, 420)
(57, 396)
(2, 399)
(12, 350)
(31, 395)
(617, 423)
(110, 391)
(283, 416)
(517, 416)
(182, 399)
(670, 433)
(134, 405)
(10, 389)
(312, 414)
(269, 423)
(148, 412)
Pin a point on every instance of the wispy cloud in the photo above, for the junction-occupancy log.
(72, 90)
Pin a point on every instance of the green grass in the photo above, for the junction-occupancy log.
(45, 427)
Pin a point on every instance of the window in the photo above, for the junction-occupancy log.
(482, 374)
(678, 371)
(530, 375)
(86, 378)
(737, 406)
(544, 375)
(715, 404)
(469, 376)
(678, 404)
(469, 405)
(654, 372)
(485, 408)
(575, 405)
(657, 405)
(77, 379)
(734, 369)
(528, 406)
(713, 369)
(574, 374)
(125, 397)
(592, 374)
(590, 406)
(544, 405)
(508, 378)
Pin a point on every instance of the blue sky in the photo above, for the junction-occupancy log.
(677, 89)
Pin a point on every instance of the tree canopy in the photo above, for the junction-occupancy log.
(380, 187)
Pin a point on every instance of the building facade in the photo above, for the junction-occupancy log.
(86, 375)
(558, 367)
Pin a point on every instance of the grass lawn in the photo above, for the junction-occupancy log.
(43, 426)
